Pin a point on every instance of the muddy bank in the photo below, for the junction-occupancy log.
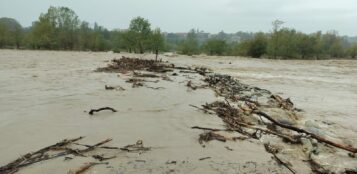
(52, 89)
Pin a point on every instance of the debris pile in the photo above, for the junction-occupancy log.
(258, 114)
(126, 64)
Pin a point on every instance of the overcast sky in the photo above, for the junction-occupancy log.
(208, 15)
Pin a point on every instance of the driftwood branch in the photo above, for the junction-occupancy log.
(34, 157)
(299, 130)
(51, 152)
(101, 109)
(96, 145)
(202, 109)
(102, 158)
(283, 163)
(288, 138)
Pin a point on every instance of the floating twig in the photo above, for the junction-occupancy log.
(101, 109)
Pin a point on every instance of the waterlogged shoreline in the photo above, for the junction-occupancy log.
(44, 94)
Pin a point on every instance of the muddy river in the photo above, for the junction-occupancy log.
(45, 97)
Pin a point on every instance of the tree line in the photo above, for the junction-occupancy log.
(61, 29)
(281, 43)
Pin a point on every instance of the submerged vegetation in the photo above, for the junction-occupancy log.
(61, 29)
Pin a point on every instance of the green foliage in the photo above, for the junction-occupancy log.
(56, 29)
(190, 45)
(141, 31)
(305, 45)
(43, 34)
(240, 49)
(157, 41)
(257, 46)
(275, 39)
(85, 36)
(332, 44)
(129, 41)
(11, 33)
(352, 51)
(215, 47)
(287, 44)
(60, 29)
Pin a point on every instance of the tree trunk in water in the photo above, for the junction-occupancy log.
(141, 49)
(157, 54)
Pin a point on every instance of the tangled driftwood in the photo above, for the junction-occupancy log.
(62, 149)
(245, 114)
(239, 116)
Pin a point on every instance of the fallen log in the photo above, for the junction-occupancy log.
(101, 109)
(312, 135)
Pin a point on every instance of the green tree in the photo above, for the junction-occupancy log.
(215, 47)
(99, 41)
(84, 36)
(241, 48)
(140, 29)
(157, 42)
(128, 41)
(190, 45)
(43, 34)
(318, 46)
(4, 36)
(66, 22)
(257, 46)
(305, 45)
(332, 44)
(288, 44)
(56, 29)
(11, 33)
(352, 51)
(275, 38)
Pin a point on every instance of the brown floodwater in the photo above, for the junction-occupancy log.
(44, 96)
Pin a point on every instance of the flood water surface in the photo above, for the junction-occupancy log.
(45, 97)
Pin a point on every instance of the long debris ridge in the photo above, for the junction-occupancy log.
(256, 112)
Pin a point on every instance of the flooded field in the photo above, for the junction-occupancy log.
(45, 96)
